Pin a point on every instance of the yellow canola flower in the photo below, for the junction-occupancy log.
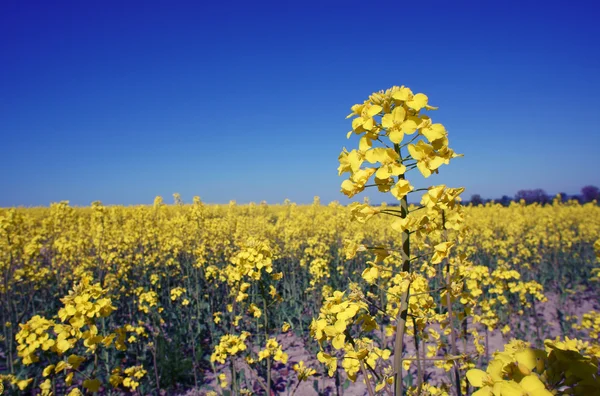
(362, 212)
(229, 345)
(223, 380)
(434, 132)
(401, 189)
(273, 350)
(357, 182)
(371, 274)
(133, 375)
(23, 384)
(254, 311)
(365, 121)
(428, 161)
(330, 362)
(302, 371)
(388, 160)
(177, 292)
(394, 123)
(441, 251)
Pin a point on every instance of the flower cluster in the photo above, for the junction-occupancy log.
(229, 345)
(569, 367)
(128, 378)
(302, 371)
(395, 138)
(77, 331)
(273, 350)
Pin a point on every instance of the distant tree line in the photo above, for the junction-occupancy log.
(588, 194)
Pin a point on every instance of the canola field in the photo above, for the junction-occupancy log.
(117, 299)
(434, 298)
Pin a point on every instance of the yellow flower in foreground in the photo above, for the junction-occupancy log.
(401, 188)
(393, 123)
(427, 159)
(329, 360)
(442, 250)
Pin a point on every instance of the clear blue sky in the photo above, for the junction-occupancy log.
(123, 101)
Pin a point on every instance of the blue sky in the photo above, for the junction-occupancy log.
(123, 101)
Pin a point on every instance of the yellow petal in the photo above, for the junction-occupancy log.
(370, 275)
(48, 370)
(364, 143)
(434, 132)
(401, 188)
(23, 384)
(382, 173)
(507, 388)
(476, 377)
(485, 391)
(425, 171)
(355, 159)
(436, 163)
(402, 94)
(494, 369)
(374, 110)
(410, 125)
(387, 121)
(415, 152)
(339, 341)
(396, 135)
(418, 101)
(533, 385)
(399, 113)
(529, 357)
(69, 378)
(340, 326)
(357, 123)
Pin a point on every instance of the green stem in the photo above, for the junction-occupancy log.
(418, 359)
(233, 379)
(367, 380)
(155, 346)
(410, 141)
(403, 311)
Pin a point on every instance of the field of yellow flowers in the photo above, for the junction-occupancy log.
(426, 299)
(148, 297)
